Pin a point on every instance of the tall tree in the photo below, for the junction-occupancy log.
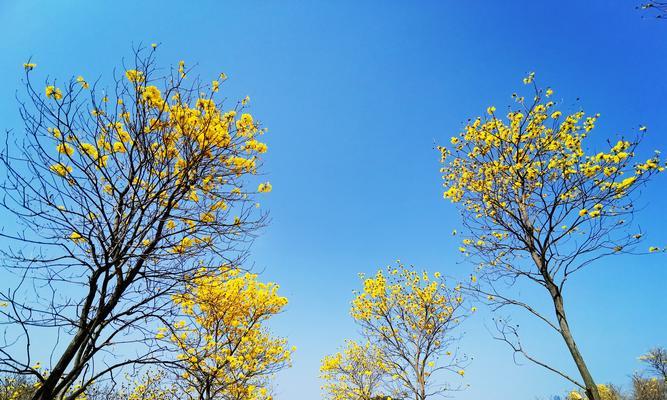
(116, 192)
(537, 206)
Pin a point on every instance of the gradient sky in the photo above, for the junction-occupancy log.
(355, 94)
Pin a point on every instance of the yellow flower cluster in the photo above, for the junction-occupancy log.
(606, 393)
(407, 319)
(150, 387)
(223, 336)
(423, 302)
(504, 169)
(264, 187)
(521, 155)
(134, 76)
(61, 169)
(53, 92)
(193, 147)
(352, 373)
(81, 81)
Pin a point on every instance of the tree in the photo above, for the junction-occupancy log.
(223, 347)
(648, 388)
(355, 373)
(116, 193)
(150, 385)
(656, 359)
(410, 317)
(15, 388)
(538, 208)
(607, 392)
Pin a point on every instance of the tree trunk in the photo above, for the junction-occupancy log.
(591, 388)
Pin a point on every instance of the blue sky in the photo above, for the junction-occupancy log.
(355, 95)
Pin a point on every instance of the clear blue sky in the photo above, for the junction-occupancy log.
(355, 94)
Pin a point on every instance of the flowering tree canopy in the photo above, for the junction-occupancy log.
(356, 372)
(409, 318)
(224, 349)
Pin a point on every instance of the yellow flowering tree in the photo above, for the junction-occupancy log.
(356, 372)
(411, 316)
(15, 388)
(224, 349)
(656, 360)
(116, 191)
(606, 392)
(538, 206)
(150, 385)
(652, 388)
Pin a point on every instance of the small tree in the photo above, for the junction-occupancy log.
(116, 192)
(648, 388)
(410, 317)
(16, 388)
(656, 360)
(355, 373)
(607, 392)
(224, 350)
(147, 384)
(537, 207)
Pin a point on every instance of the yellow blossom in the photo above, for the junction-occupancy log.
(65, 148)
(53, 92)
(61, 169)
(264, 187)
(82, 82)
(134, 76)
(76, 237)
